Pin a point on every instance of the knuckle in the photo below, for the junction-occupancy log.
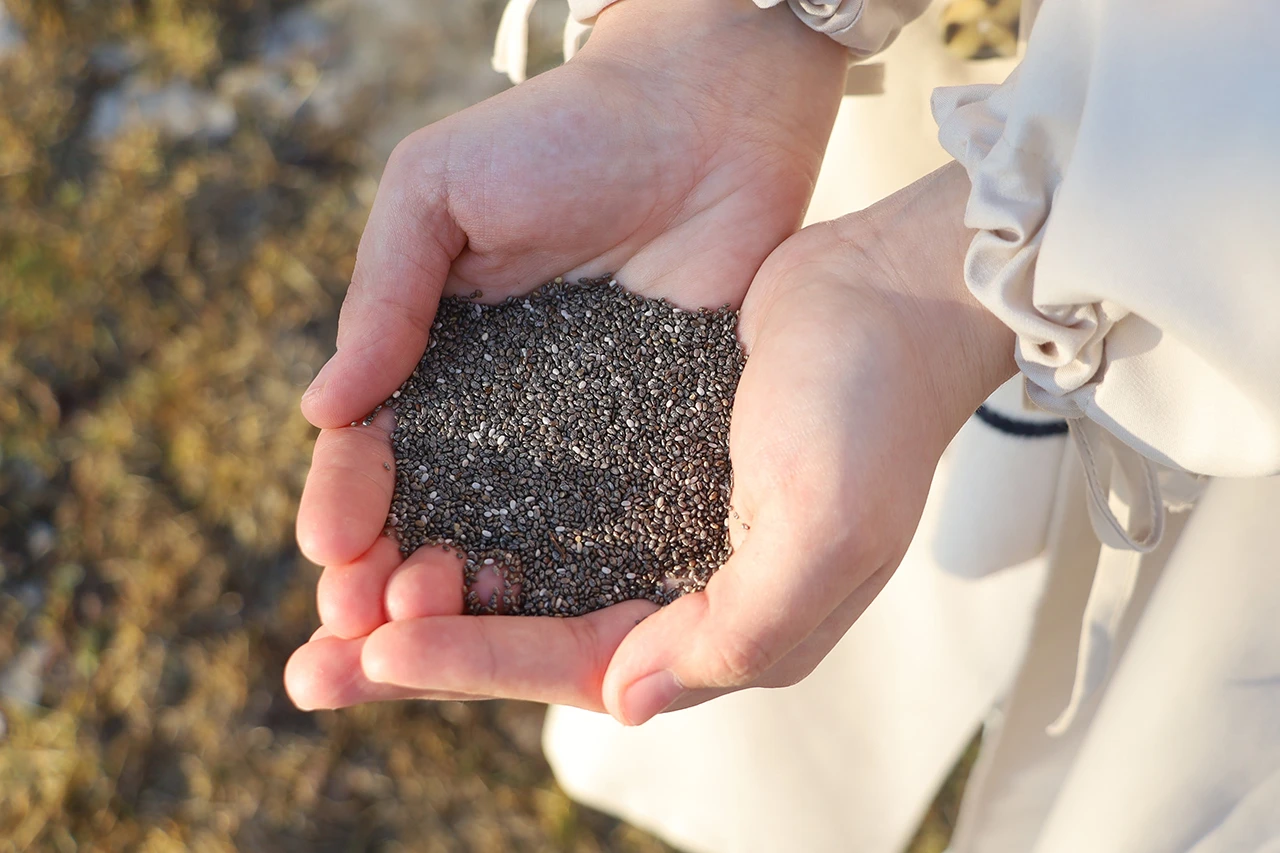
(407, 152)
(592, 656)
(743, 659)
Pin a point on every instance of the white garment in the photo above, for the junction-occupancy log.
(1126, 189)
(1128, 202)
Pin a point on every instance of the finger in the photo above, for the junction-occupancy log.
(325, 673)
(382, 586)
(349, 595)
(492, 590)
(344, 504)
(429, 583)
(404, 256)
(760, 606)
(321, 633)
(540, 659)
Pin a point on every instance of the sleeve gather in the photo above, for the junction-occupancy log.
(1126, 205)
(865, 27)
(1060, 348)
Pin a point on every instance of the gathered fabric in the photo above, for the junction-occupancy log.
(1060, 350)
(1105, 256)
(1128, 353)
(865, 27)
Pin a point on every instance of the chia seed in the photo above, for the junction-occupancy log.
(601, 415)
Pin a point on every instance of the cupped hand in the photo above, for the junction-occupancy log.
(678, 149)
(866, 356)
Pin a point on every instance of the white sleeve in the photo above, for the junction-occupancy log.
(865, 27)
(1126, 194)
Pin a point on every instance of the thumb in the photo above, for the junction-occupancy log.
(405, 253)
(770, 595)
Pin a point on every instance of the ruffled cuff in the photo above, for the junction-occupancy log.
(865, 27)
(1060, 348)
(1060, 352)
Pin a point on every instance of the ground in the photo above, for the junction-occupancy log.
(182, 187)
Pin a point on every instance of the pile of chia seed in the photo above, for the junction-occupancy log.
(578, 438)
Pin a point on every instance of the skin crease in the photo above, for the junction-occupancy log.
(866, 355)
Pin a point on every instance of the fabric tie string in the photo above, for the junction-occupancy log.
(1114, 474)
(511, 44)
(819, 10)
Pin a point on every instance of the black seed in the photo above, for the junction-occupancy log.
(582, 417)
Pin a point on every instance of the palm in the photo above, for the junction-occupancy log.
(867, 355)
(593, 167)
(574, 172)
(832, 455)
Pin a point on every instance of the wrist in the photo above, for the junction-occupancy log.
(662, 14)
(916, 242)
(736, 31)
(737, 60)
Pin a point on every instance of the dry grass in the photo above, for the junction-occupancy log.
(161, 307)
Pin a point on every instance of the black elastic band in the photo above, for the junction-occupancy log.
(1022, 429)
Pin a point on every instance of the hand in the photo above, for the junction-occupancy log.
(867, 354)
(678, 149)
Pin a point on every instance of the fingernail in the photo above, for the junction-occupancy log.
(317, 384)
(650, 696)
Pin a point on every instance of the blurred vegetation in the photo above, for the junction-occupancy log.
(163, 302)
